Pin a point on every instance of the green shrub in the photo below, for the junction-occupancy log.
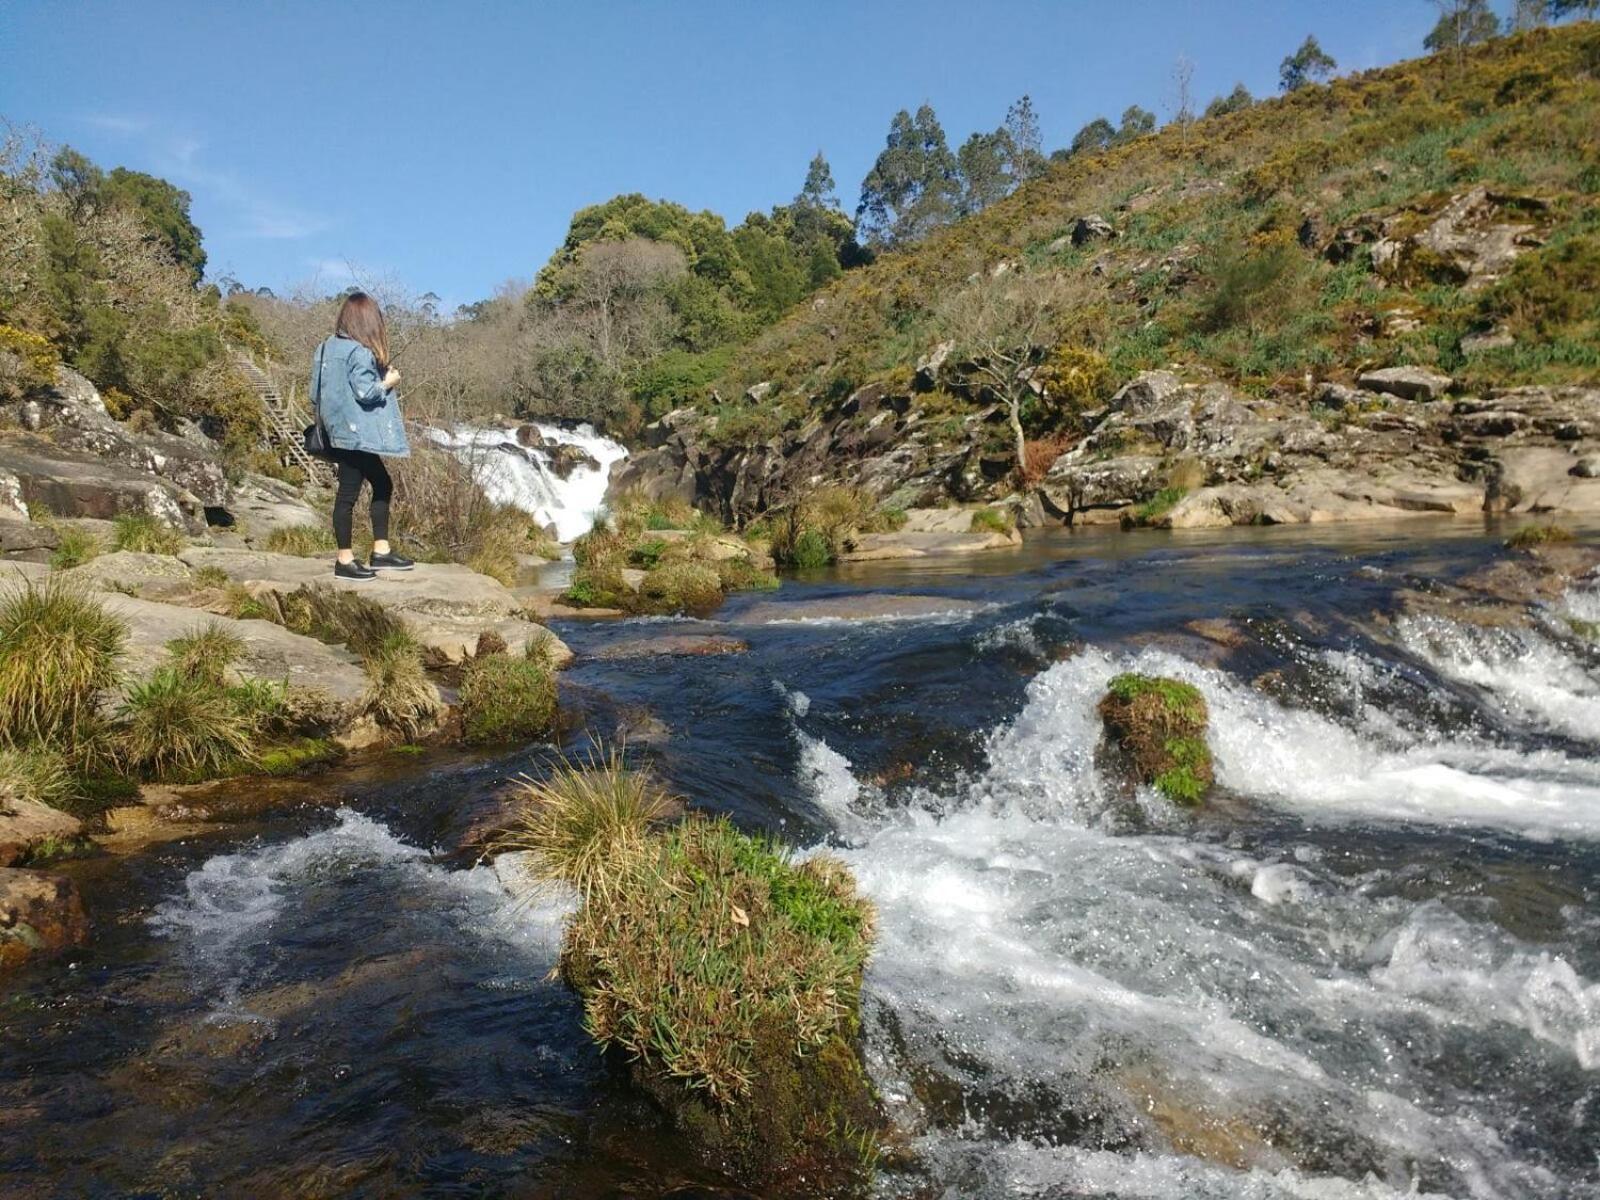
(173, 726)
(75, 547)
(28, 363)
(505, 699)
(1157, 726)
(809, 551)
(399, 695)
(305, 541)
(35, 774)
(145, 534)
(58, 653)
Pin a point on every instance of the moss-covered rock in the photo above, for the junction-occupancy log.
(730, 975)
(1155, 730)
(725, 974)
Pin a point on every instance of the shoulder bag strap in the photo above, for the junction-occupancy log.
(316, 394)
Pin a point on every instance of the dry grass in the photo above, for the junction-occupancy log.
(206, 652)
(174, 726)
(304, 541)
(505, 699)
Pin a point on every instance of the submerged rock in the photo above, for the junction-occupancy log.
(39, 914)
(1155, 731)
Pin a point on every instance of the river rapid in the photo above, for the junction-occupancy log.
(1369, 969)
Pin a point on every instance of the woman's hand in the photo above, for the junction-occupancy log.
(391, 380)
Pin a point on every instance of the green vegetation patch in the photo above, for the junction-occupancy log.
(726, 971)
(1158, 506)
(994, 520)
(306, 541)
(145, 534)
(1531, 536)
(399, 695)
(58, 653)
(506, 699)
(1156, 726)
(74, 547)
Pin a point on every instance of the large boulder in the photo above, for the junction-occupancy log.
(24, 824)
(73, 417)
(39, 914)
(80, 483)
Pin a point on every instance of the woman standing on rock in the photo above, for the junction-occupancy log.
(353, 399)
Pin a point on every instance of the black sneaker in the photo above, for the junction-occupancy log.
(353, 570)
(390, 562)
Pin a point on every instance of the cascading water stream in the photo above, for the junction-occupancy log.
(523, 471)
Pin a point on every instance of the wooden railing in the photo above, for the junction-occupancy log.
(285, 420)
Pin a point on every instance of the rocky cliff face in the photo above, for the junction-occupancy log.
(1396, 442)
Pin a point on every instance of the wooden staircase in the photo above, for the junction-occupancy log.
(285, 421)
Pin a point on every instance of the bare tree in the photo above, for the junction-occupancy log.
(1002, 325)
(1183, 95)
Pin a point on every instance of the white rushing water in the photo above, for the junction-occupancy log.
(512, 473)
(1266, 1027)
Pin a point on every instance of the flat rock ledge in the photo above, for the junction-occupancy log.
(445, 605)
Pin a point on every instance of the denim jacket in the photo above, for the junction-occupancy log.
(355, 410)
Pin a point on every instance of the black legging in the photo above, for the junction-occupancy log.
(356, 467)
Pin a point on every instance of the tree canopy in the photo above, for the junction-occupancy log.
(1309, 64)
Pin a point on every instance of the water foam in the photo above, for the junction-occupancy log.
(1519, 672)
(511, 473)
(1250, 1022)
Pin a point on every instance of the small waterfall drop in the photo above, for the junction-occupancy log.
(557, 475)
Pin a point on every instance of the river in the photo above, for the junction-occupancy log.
(1369, 969)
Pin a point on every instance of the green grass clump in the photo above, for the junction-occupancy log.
(34, 774)
(1158, 505)
(505, 699)
(206, 652)
(143, 533)
(1157, 728)
(58, 653)
(177, 726)
(399, 695)
(1530, 536)
(727, 972)
(245, 605)
(809, 551)
(993, 520)
(584, 818)
(305, 541)
(75, 547)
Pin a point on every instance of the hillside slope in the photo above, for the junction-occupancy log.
(1441, 214)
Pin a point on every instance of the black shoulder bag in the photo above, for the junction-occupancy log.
(314, 437)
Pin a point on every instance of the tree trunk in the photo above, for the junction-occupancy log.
(1014, 410)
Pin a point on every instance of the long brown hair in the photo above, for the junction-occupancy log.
(361, 320)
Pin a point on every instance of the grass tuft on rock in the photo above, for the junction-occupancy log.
(144, 533)
(205, 653)
(1156, 726)
(399, 695)
(682, 587)
(505, 699)
(74, 547)
(583, 819)
(727, 972)
(182, 727)
(305, 541)
(58, 653)
(993, 520)
(1531, 536)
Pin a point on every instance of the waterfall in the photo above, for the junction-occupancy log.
(557, 475)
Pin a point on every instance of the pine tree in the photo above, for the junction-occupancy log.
(1309, 64)
(818, 189)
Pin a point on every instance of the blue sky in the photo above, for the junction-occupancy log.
(446, 145)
